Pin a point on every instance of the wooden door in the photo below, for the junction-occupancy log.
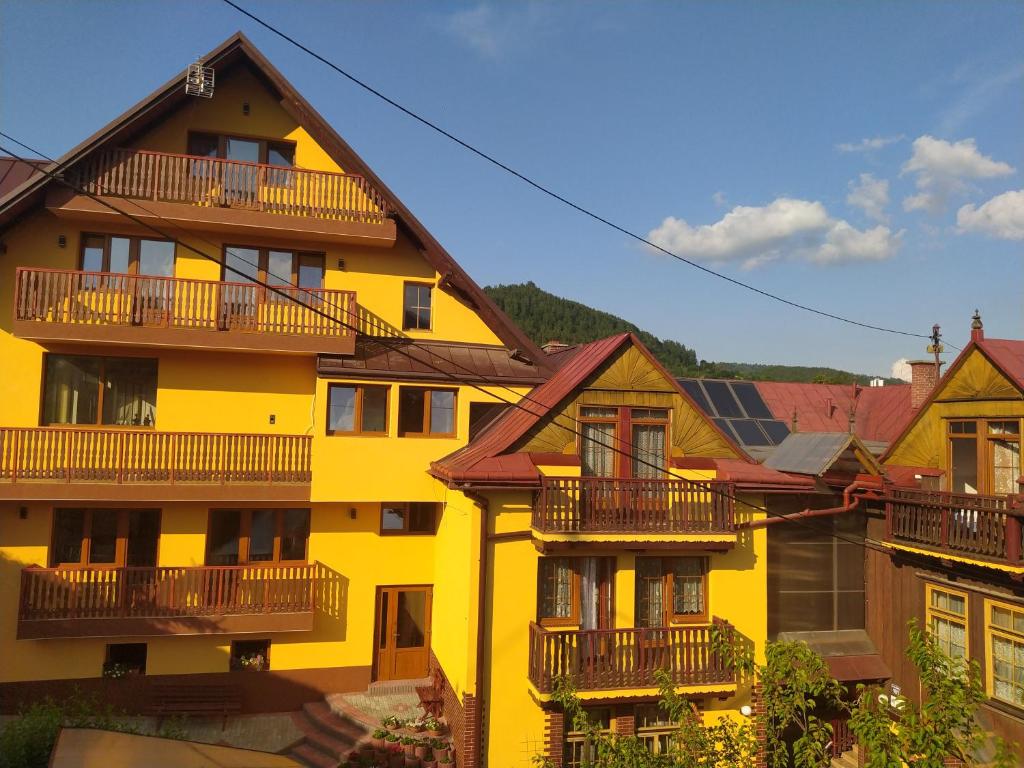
(402, 632)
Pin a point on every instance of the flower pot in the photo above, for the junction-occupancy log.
(435, 734)
(397, 760)
(421, 751)
(364, 749)
(442, 753)
(431, 763)
(409, 750)
(411, 761)
(380, 756)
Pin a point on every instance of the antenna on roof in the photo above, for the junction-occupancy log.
(936, 348)
(199, 80)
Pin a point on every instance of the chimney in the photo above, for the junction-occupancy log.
(977, 329)
(924, 375)
(554, 346)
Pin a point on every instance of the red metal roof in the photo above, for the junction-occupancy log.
(1008, 355)
(880, 412)
(16, 171)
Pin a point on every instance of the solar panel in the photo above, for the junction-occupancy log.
(721, 396)
(723, 424)
(776, 430)
(693, 389)
(751, 400)
(749, 432)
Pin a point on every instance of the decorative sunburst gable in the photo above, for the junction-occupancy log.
(630, 377)
(977, 379)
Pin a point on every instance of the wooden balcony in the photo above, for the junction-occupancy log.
(113, 602)
(229, 196)
(116, 308)
(55, 463)
(615, 508)
(617, 659)
(969, 526)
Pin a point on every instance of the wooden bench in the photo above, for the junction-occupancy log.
(192, 699)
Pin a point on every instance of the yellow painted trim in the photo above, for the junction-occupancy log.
(990, 632)
(594, 538)
(622, 693)
(949, 616)
(954, 558)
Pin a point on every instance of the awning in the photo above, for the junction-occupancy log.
(849, 653)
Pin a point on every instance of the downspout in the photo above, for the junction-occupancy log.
(485, 507)
(850, 503)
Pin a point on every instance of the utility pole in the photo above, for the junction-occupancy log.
(936, 348)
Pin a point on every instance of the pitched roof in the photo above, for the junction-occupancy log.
(420, 361)
(814, 453)
(15, 171)
(237, 49)
(879, 412)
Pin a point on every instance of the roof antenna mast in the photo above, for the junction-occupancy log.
(936, 348)
(199, 80)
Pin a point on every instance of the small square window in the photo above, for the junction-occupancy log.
(426, 412)
(250, 655)
(408, 517)
(416, 307)
(358, 410)
(124, 659)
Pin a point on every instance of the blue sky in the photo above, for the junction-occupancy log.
(866, 158)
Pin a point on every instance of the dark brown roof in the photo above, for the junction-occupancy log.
(419, 361)
(15, 171)
(238, 50)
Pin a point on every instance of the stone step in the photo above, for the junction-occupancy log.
(340, 726)
(308, 755)
(323, 740)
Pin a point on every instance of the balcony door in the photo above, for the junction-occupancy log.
(402, 631)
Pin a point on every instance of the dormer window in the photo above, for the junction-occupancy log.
(623, 441)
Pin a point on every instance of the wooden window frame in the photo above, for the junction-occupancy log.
(108, 662)
(669, 616)
(357, 416)
(948, 616)
(134, 251)
(85, 549)
(245, 534)
(622, 445)
(991, 631)
(234, 657)
(428, 396)
(573, 619)
(101, 380)
(265, 143)
(263, 266)
(430, 287)
(406, 506)
(984, 438)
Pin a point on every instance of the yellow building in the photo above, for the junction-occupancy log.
(251, 421)
(952, 528)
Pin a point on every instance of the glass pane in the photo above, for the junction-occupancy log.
(416, 307)
(261, 535)
(72, 393)
(1001, 617)
(120, 254)
(281, 154)
(1005, 465)
(382, 640)
(245, 260)
(279, 267)
(722, 398)
(68, 527)
(442, 412)
(341, 409)
(421, 517)
(203, 144)
(243, 150)
(650, 608)
(410, 410)
(92, 254)
(392, 518)
(294, 534)
(412, 619)
(143, 534)
(595, 412)
(311, 270)
(129, 392)
(156, 257)
(222, 540)
(103, 536)
(751, 400)
(597, 450)
(648, 449)
(375, 409)
(649, 414)
(749, 433)
(556, 588)
(777, 431)
(965, 465)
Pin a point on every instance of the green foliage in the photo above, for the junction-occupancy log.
(546, 317)
(944, 725)
(27, 740)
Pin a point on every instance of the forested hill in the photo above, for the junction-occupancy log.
(546, 317)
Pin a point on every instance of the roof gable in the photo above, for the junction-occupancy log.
(816, 453)
(237, 49)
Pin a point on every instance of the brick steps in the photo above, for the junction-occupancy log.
(328, 738)
(308, 755)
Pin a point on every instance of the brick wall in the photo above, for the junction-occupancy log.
(554, 731)
(462, 717)
(759, 728)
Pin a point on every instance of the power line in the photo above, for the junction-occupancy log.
(706, 485)
(555, 195)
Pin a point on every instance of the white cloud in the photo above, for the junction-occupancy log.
(901, 369)
(756, 235)
(1001, 217)
(869, 145)
(493, 29)
(941, 168)
(719, 198)
(871, 195)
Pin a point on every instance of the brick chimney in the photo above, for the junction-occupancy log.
(977, 329)
(924, 375)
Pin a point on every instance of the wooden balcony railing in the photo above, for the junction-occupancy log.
(969, 525)
(603, 659)
(128, 456)
(66, 602)
(612, 505)
(109, 299)
(210, 181)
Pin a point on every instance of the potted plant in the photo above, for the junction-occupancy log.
(440, 748)
(422, 748)
(250, 662)
(391, 722)
(429, 763)
(377, 738)
(391, 742)
(409, 745)
(446, 760)
(117, 670)
(433, 726)
(416, 725)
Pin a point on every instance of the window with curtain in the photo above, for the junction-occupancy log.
(1005, 626)
(947, 620)
(648, 449)
(557, 579)
(1004, 445)
(100, 390)
(597, 449)
(984, 455)
(670, 590)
